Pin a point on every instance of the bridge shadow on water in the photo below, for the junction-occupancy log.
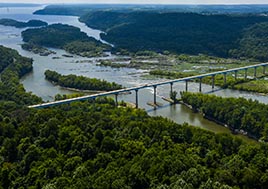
(213, 91)
(159, 107)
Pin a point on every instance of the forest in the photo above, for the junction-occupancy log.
(101, 146)
(63, 36)
(18, 24)
(223, 31)
(87, 49)
(98, 145)
(238, 114)
(80, 82)
(189, 33)
(12, 68)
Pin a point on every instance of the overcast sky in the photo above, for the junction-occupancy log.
(142, 1)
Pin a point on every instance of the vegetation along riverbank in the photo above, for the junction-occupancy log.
(80, 82)
(239, 114)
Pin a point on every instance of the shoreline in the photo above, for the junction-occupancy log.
(233, 131)
(79, 90)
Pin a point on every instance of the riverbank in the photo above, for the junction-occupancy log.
(238, 114)
(235, 132)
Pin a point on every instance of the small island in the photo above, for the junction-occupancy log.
(18, 24)
(81, 82)
(66, 37)
(42, 51)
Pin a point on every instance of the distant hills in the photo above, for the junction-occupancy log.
(226, 31)
(80, 9)
(189, 33)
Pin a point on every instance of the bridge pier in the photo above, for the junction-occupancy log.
(200, 84)
(255, 72)
(155, 94)
(171, 88)
(186, 85)
(246, 73)
(137, 98)
(235, 75)
(116, 99)
(213, 82)
(263, 70)
(94, 103)
(224, 78)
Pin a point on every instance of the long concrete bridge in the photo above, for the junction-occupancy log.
(154, 85)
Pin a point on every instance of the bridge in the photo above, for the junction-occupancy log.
(154, 85)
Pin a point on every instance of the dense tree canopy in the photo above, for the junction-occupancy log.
(254, 43)
(12, 67)
(100, 146)
(67, 37)
(55, 35)
(238, 113)
(18, 24)
(181, 32)
(80, 82)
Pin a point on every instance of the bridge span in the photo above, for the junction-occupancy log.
(154, 85)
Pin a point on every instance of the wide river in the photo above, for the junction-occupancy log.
(36, 83)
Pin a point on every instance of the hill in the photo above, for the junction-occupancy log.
(186, 33)
(81, 9)
(66, 37)
(12, 68)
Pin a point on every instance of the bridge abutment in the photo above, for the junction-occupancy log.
(213, 82)
(246, 73)
(200, 84)
(171, 88)
(155, 94)
(137, 98)
(224, 78)
(116, 99)
(235, 75)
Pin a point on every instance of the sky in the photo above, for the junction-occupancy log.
(140, 1)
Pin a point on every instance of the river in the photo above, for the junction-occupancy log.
(36, 83)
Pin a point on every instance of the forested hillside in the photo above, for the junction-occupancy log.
(67, 37)
(254, 43)
(81, 9)
(12, 67)
(219, 35)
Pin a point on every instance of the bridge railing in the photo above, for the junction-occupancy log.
(137, 88)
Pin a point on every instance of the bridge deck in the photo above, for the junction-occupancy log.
(48, 104)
